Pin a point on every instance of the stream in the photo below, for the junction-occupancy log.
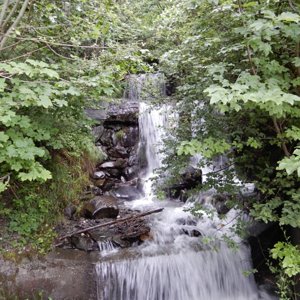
(180, 261)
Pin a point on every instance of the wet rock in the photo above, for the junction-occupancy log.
(99, 175)
(195, 233)
(118, 152)
(114, 172)
(119, 163)
(131, 137)
(99, 182)
(96, 191)
(126, 113)
(83, 242)
(188, 221)
(131, 172)
(133, 159)
(220, 202)
(106, 138)
(135, 233)
(97, 132)
(189, 179)
(101, 207)
(109, 184)
(127, 192)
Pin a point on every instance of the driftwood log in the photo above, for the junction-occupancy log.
(112, 223)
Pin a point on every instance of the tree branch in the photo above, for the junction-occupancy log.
(15, 24)
(113, 222)
(283, 144)
(3, 12)
(11, 13)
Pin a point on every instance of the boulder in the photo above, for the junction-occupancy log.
(114, 172)
(99, 182)
(106, 138)
(83, 242)
(127, 192)
(70, 211)
(220, 202)
(101, 207)
(119, 163)
(125, 113)
(118, 152)
(97, 132)
(99, 175)
(131, 172)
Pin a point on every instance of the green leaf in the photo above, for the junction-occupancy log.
(289, 17)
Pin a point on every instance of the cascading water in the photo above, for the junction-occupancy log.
(179, 262)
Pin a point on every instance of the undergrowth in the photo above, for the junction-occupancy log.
(31, 211)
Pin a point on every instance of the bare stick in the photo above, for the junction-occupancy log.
(113, 222)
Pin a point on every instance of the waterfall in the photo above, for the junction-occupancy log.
(185, 259)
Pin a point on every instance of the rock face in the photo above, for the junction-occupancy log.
(61, 275)
(101, 207)
(117, 134)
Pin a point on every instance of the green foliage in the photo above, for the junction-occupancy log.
(291, 164)
(235, 65)
(289, 257)
(209, 148)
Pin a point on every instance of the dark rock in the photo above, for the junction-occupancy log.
(220, 202)
(118, 152)
(131, 172)
(109, 184)
(133, 159)
(195, 233)
(97, 132)
(131, 137)
(114, 172)
(127, 192)
(189, 179)
(97, 191)
(69, 211)
(136, 233)
(106, 138)
(101, 207)
(126, 113)
(83, 242)
(99, 182)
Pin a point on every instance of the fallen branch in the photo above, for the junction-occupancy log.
(112, 223)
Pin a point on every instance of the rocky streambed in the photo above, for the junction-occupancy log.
(68, 271)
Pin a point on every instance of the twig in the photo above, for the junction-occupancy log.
(56, 53)
(11, 13)
(23, 55)
(3, 12)
(112, 223)
(283, 144)
(14, 24)
(55, 43)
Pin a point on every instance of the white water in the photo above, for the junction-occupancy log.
(176, 264)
